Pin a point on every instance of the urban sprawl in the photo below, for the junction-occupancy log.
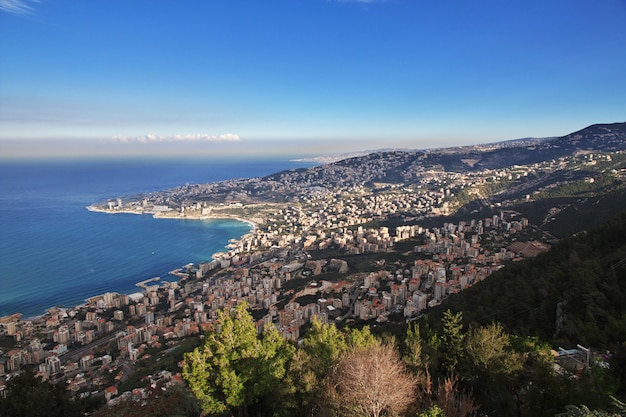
(280, 268)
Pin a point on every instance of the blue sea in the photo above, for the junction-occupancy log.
(54, 252)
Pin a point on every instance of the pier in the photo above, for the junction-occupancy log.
(144, 284)
(181, 272)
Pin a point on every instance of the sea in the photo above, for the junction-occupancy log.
(56, 253)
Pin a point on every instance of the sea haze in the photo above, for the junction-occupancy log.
(54, 252)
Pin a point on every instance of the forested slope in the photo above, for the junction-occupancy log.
(573, 294)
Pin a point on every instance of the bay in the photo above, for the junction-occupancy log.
(54, 252)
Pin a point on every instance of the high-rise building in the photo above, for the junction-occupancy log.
(64, 335)
(149, 317)
(85, 361)
(133, 353)
(11, 328)
(141, 309)
(108, 298)
(54, 364)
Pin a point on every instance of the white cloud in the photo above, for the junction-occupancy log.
(200, 137)
(17, 6)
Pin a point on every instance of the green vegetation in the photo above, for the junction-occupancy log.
(351, 372)
(28, 396)
(584, 411)
(235, 370)
(176, 400)
(571, 295)
(365, 262)
(481, 350)
(451, 340)
(252, 211)
(601, 184)
(7, 342)
(486, 350)
(466, 195)
(164, 361)
(564, 216)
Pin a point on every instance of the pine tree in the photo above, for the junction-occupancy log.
(235, 369)
(452, 336)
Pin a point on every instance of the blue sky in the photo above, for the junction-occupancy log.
(310, 76)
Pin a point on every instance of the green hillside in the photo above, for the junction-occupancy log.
(573, 294)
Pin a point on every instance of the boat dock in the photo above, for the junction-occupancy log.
(144, 284)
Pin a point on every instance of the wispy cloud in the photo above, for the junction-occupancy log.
(17, 6)
(201, 137)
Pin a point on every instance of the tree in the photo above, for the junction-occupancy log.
(414, 355)
(451, 347)
(489, 349)
(174, 401)
(370, 381)
(325, 344)
(453, 400)
(618, 367)
(303, 385)
(322, 347)
(584, 411)
(360, 338)
(235, 369)
(418, 362)
(29, 396)
(433, 411)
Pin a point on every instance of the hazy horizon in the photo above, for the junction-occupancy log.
(314, 77)
(242, 149)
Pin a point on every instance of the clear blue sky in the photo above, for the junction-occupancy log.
(149, 76)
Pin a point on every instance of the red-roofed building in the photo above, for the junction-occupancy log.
(109, 392)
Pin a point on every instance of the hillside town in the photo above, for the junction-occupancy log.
(290, 269)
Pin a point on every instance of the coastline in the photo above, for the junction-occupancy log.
(72, 277)
(178, 216)
(163, 215)
(156, 215)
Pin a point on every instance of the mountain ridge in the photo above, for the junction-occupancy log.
(587, 138)
(474, 177)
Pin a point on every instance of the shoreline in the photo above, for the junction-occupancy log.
(163, 215)
(227, 246)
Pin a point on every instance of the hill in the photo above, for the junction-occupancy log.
(595, 138)
(573, 294)
(406, 167)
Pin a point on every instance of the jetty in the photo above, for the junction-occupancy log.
(144, 284)
(182, 271)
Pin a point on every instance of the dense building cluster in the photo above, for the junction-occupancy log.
(94, 347)
(62, 343)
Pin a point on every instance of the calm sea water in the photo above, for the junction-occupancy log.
(53, 252)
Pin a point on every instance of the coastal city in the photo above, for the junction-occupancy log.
(298, 263)
(331, 208)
